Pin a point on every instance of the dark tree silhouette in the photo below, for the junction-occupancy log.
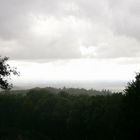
(133, 87)
(131, 109)
(5, 73)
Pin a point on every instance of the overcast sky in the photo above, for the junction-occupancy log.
(71, 39)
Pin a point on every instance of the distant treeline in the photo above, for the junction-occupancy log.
(72, 91)
(70, 114)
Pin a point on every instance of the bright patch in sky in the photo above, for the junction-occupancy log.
(88, 51)
(83, 69)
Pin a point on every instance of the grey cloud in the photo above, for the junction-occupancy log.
(120, 47)
(126, 17)
(68, 26)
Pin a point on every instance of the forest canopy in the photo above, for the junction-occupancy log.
(44, 114)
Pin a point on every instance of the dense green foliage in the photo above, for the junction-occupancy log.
(41, 113)
(52, 114)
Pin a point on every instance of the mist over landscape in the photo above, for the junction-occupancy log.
(114, 86)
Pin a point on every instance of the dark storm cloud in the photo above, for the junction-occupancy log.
(41, 29)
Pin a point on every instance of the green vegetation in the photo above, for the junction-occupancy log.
(42, 114)
(54, 114)
(5, 73)
(68, 114)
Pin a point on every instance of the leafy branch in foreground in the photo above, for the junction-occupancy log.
(5, 73)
